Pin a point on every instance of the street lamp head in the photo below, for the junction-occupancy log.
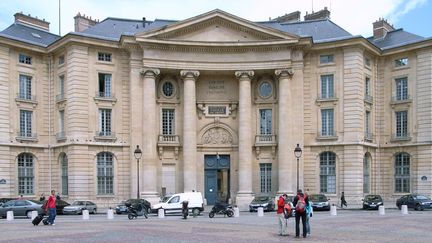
(137, 153)
(298, 151)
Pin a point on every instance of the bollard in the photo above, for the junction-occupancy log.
(110, 214)
(236, 212)
(34, 214)
(161, 213)
(381, 210)
(10, 216)
(333, 210)
(260, 211)
(85, 215)
(404, 209)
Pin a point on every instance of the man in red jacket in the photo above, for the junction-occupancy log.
(51, 207)
(280, 214)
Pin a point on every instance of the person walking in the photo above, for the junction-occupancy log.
(280, 214)
(300, 202)
(51, 207)
(309, 212)
(343, 202)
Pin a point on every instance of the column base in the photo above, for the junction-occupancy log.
(243, 199)
(152, 197)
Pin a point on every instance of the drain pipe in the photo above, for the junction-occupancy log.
(49, 122)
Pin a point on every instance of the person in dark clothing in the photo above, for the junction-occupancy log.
(300, 212)
(343, 202)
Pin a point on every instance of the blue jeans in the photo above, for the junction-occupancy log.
(52, 214)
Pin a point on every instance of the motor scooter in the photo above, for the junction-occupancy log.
(135, 210)
(185, 209)
(222, 208)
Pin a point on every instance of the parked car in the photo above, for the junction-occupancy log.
(372, 202)
(3, 200)
(121, 207)
(266, 202)
(21, 208)
(78, 206)
(416, 201)
(319, 202)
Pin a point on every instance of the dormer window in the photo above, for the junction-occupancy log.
(402, 62)
(326, 59)
(25, 59)
(104, 57)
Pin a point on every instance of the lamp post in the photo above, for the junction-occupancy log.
(138, 154)
(298, 153)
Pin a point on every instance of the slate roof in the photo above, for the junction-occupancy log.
(395, 38)
(30, 35)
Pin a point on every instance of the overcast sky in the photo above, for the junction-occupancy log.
(355, 16)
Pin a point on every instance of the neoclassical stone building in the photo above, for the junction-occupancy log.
(217, 104)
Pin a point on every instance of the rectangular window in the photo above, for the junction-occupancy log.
(265, 177)
(61, 59)
(327, 86)
(367, 125)
(367, 86)
(104, 122)
(366, 165)
(401, 62)
(327, 122)
(401, 124)
(25, 174)
(327, 172)
(61, 87)
(265, 121)
(168, 121)
(367, 62)
(324, 59)
(402, 173)
(61, 121)
(105, 173)
(104, 85)
(25, 59)
(401, 88)
(25, 123)
(25, 87)
(105, 57)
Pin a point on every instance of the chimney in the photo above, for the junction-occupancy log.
(83, 22)
(380, 28)
(288, 18)
(31, 21)
(322, 14)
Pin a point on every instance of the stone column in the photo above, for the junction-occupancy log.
(244, 195)
(149, 159)
(189, 130)
(286, 183)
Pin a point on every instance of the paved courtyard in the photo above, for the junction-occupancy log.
(347, 226)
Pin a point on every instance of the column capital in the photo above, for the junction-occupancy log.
(282, 73)
(189, 74)
(152, 72)
(241, 74)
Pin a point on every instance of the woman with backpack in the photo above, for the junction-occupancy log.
(300, 202)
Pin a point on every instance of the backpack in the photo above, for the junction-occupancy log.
(287, 210)
(301, 204)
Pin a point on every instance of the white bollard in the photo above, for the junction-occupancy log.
(85, 214)
(161, 213)
(236, 212)
(34, 214)
(10, 216)
(404, 209)
(333, 210)
(381, 210)
(110, 214)
(260, 212)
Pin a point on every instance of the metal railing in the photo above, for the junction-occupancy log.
(169, 139)
(105, 95)
(400, 136)
(61, 135)
(265, 139)
(368, 98)
(26, 97)
(368, 136)
(107, 134)
(26, 134)
(60, 97)
(401, 98)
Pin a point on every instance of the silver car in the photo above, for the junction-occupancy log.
(78, 206)
(21, 208)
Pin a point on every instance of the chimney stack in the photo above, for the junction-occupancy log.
(380, 28)
(83, 22)
(31, 21)
(288, 18)
(322, 14)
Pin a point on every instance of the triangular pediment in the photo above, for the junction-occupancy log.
(216, 27)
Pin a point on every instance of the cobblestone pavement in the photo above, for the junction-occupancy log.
(347, 226)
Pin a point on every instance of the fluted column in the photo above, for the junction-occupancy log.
(189, 130)
(245, 143)
(150, 128)
(285, 151)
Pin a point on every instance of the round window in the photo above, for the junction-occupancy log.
(265, 89)
(168, 89)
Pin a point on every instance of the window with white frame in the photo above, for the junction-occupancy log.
(265, 121)
(25, 87)
(64, 174)
(401, 88)
(324, 59)
(327, 86)
(402, 173)
(103, 56)
(168, 121)
(366, 168)
(401, 62)
(25, 123)
(401, 123)
(25, 174)
(104, 85)
(25, 59)
(328, 172)
(105, 173)
(327, 122)
(104, 122)
(265, 177)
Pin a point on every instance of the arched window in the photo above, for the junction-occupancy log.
(366, 172)
(25, 174)
(402, 172)
(328, 172)
(64, 174)
(105, 173)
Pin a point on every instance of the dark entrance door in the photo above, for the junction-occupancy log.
(217, 174)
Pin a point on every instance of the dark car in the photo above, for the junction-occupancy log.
(60, 204)
(372, 202)
(21, 208)
(3, 200)
(266, 202)
(122, 208)
(319, 202)
(416, 201)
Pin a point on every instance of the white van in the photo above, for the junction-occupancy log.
(174, 203)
